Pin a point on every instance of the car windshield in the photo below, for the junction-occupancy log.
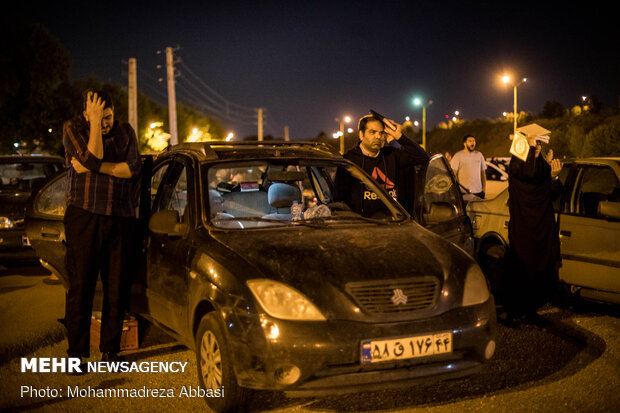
(295, 192)
(24, 176)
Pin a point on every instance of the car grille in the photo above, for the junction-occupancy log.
(378, 297)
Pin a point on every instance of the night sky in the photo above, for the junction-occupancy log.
(309, 63)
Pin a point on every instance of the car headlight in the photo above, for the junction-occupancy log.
(475, 290)
(5, 222)
(284, 302)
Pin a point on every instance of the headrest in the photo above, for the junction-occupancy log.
(282, 195)
(216, 201)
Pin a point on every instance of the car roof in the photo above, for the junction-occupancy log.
(612, 162)
(31, 158)
(211, 151)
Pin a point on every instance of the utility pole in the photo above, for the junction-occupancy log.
(286, 136)
(172, 100)
(133, 95)
(260, 123)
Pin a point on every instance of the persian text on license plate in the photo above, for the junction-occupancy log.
(374, 351)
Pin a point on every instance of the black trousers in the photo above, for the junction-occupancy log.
(97, 244)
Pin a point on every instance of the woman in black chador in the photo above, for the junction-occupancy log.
(534, 255)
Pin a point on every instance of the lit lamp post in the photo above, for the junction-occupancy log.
(342, 121)
(506, 80)
(418, 102)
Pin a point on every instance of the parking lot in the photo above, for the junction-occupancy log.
(570, 366)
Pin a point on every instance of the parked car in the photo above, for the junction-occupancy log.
(19, 176)
(251, 261)
(497, 176)
(497, 179)
(589, 218)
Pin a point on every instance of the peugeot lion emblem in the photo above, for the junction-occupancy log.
(399, 297)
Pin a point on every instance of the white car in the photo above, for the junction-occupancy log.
(589, 217)
(497, 176)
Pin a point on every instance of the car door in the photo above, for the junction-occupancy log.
(590, 241)
(441, 208)
(167, 257)
(44, 225)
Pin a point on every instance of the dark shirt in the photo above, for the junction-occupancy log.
(94, 191)
(393, 169)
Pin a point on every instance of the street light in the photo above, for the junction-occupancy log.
(417, 102)
(506, 80)
(342, 121)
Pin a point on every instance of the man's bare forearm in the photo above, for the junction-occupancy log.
(95, 140)
(118, 170)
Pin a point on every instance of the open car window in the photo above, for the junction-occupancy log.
(294, 192)
(442, 199)
(51, 200)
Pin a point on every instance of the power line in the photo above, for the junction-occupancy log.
(210, 89)
(204, 106)
(223, 111)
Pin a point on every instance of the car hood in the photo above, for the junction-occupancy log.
(300, 255)
(321, 262)
(13, 204)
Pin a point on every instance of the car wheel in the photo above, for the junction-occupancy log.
(215, 369)
(491, 261)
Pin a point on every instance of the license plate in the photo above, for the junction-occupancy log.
(374, 351)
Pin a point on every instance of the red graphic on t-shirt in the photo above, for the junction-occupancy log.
(382, 179)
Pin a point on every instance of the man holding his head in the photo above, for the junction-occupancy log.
(391, 165)
(103, 163)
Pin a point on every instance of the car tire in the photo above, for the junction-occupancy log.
(491, 260)
(215, 370)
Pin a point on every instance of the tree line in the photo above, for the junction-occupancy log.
(37, 97)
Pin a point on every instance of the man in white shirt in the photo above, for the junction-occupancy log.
(469, 165)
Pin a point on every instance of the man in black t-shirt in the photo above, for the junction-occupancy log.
(385, 163)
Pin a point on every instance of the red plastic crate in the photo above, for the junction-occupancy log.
(129, 338)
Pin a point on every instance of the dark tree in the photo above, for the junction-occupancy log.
(552, 109)
(33, 65)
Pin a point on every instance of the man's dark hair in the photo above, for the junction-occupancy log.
(467, 136)
(103, 95)
(361, 126)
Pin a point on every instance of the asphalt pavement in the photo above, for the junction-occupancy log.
(572, 366)
(29, 311)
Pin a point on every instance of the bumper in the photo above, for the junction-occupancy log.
(326, 355)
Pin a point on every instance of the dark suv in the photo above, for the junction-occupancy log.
(252, 260)
(20, 175)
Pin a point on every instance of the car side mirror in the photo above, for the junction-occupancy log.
(167, 223)
(609, 209)
(440, 212)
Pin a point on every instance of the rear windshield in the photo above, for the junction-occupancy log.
(25, 176)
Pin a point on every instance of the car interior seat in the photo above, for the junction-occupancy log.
(281, 196)
(218, 216)
(246, 204)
